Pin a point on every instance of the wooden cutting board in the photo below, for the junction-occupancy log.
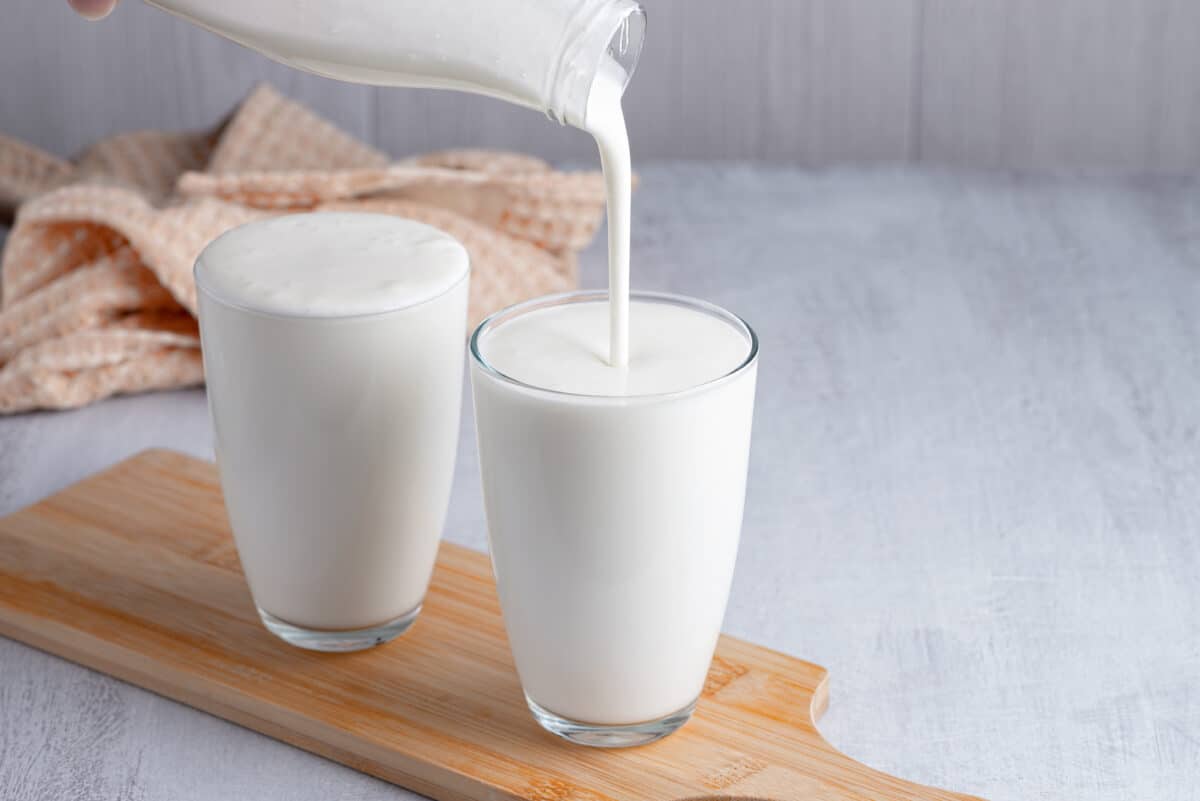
(133, 573)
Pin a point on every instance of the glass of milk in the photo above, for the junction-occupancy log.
(614, 502)
(333, 350)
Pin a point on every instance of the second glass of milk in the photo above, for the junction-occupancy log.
(614, 502)
(333, 351)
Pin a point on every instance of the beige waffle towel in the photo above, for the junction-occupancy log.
(97, 273)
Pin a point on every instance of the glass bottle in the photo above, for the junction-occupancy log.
(543, 54)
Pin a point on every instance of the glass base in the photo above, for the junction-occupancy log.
(598, 735)
(338, 641)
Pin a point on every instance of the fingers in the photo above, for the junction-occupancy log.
(93, 9)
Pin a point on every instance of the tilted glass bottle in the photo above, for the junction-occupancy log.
(543, 54)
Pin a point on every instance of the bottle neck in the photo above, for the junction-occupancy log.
(598, 30)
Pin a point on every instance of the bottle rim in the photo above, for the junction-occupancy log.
(614, 28)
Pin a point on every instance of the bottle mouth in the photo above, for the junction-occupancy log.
(604, 30)
(625, 46)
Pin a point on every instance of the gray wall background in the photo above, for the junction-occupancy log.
(1100, 85)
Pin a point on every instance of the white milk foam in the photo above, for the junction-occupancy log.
(332, 264)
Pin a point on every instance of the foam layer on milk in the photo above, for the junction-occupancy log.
(565, 348)
(331, 264)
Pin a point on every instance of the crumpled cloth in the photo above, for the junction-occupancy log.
(98, 297)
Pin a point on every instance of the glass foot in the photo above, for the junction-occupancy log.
(607, 736)
(338, 641)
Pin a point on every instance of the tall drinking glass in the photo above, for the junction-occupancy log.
(613, 523)
(333, 348)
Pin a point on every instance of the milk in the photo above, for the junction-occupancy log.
(605, 121)
(614, 498)
(333, 355)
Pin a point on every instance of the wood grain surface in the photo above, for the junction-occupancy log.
(133, 572)
(1101, 84)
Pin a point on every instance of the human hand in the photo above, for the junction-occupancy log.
(93, 9)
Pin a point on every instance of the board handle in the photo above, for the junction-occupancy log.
(841, 779)
(834, 777)
(867, 785)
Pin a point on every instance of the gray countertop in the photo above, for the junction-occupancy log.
(974, 491)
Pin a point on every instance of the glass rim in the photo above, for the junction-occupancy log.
(592, 295)
(274, 314)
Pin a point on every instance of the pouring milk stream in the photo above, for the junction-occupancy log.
(569, 58)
